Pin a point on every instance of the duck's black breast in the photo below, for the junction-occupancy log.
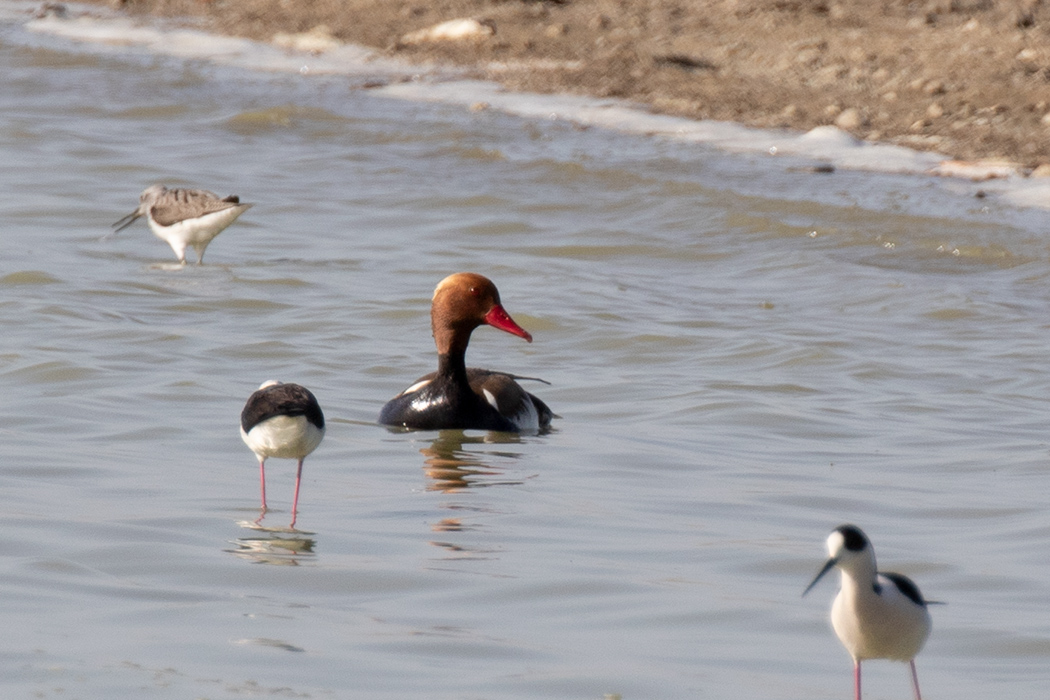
(486, 401)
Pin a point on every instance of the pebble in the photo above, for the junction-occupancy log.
(317, 40)
(808, 57)
(555, 31)
(52, 9)
(452, 30)
(818, 169)
(934, 87)
(599, 22)
(978, 170)
(838, 12)
(850, 119)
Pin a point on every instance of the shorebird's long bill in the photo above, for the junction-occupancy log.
(499, 318)
(828, 566)
(126, 221)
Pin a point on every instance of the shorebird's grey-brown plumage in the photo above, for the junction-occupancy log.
(185, 218)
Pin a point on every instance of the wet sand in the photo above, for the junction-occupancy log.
(966, 78)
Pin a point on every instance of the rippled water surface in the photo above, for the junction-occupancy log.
(744, 354)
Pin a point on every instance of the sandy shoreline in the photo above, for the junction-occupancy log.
(967, 79)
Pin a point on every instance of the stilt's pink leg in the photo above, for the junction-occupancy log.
(295, 498)
(915, 680)
(856, 679)
(262, 489)
(262, 482)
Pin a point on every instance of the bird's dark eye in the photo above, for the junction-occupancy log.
(475, 291)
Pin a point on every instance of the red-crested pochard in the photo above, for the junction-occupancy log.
(458, 397)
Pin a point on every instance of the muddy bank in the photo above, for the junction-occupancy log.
(968, 78)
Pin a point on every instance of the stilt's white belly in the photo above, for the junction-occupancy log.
(288, 437)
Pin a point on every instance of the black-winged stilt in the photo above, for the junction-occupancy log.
(876, 615)
(282, 420)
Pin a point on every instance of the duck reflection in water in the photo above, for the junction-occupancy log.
(453, 469)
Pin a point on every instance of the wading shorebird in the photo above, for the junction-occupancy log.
(876, 615)
(458, 397)
(184, 218)
(282, 420)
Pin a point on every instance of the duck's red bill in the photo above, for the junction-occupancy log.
(499, 318)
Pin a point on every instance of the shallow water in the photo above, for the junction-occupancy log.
(744, 354)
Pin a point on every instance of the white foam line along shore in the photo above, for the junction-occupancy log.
(826, 144)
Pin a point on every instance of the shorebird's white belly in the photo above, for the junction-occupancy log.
(287, 437)
(196, 231)
(886, 626)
